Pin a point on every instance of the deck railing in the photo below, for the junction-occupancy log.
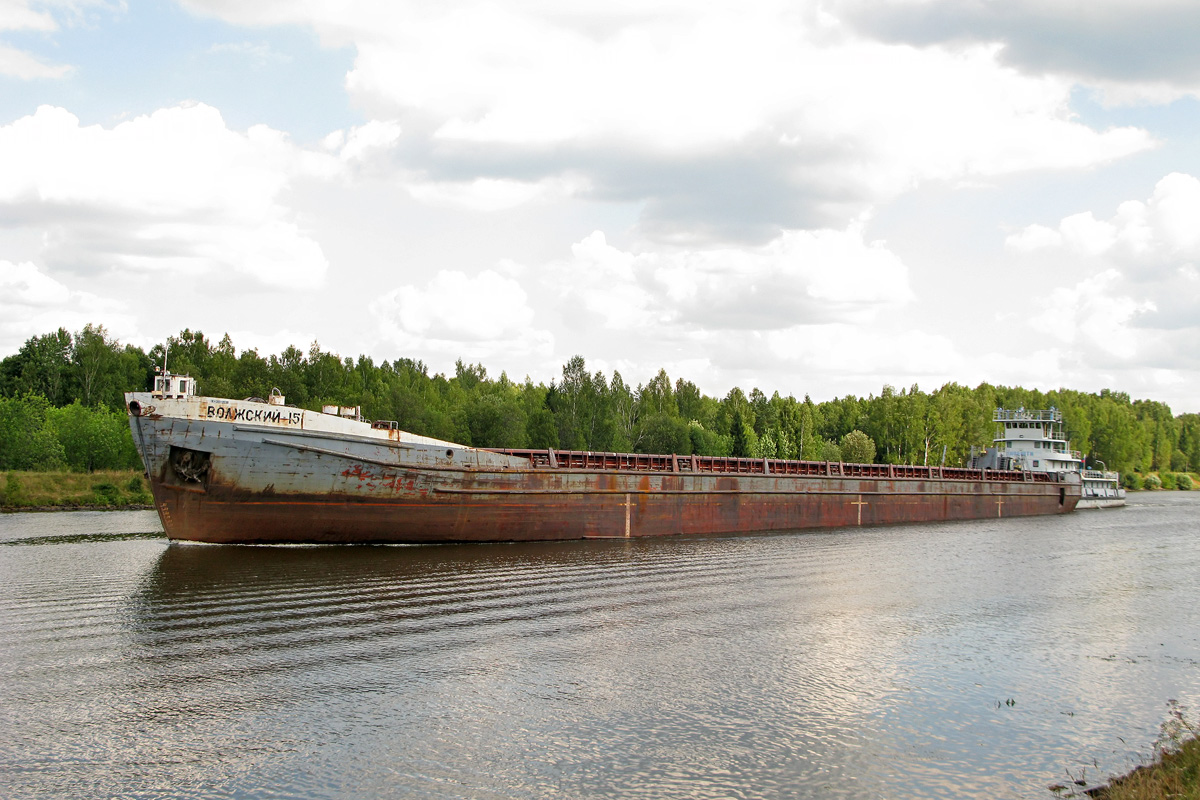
(721, 465)
(1100, 475)
(1024, 415)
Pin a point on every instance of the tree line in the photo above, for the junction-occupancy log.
(61, 405)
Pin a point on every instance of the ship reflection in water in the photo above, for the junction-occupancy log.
(859, 663)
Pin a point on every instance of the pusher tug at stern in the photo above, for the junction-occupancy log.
(1036, 441)
(260, 471)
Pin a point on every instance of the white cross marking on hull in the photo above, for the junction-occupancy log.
(860, 503)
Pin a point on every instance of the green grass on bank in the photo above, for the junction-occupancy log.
(1173, 774)
(103, 488)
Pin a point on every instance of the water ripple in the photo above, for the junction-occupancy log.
(846, 664)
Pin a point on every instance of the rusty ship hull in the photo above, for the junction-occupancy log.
(241, 472)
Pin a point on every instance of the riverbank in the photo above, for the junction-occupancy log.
(1175, 774)
(57, 491)
(1170, 481)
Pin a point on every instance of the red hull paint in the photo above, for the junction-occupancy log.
(535, 505)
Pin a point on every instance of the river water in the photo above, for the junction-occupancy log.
(977, 659)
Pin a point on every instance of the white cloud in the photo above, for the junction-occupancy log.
(1085, 234)
(1132, 51)
(1141, 235)
(19, 64)
(800, 276)
(270, 343)
(456, 315)
(452, 305)
(841, 349)
(1137, 302)
(491, 194)
(32, 302)
(802, 293)
(1094, 316)
(1033, 237)
(665, 101)
(754, 140)
(24, 285)
(19, 15)
(174, 190)
(615, 286)
(364, 141)
(1175, 212)
(16, 15)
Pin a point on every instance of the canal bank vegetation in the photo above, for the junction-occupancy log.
(1173, 772)
(1173, 775)
(61, 408)
(109, 488)
(1165, 480)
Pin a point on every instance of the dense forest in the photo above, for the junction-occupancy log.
(61, 407)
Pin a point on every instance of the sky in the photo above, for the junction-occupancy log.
(813, 197)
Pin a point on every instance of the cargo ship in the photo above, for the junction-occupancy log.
(260, 471)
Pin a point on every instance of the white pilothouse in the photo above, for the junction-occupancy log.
(1035, 441)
